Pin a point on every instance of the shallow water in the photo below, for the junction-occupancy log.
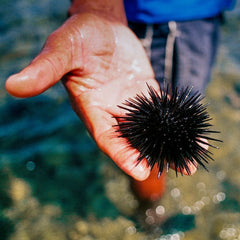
(56, 184)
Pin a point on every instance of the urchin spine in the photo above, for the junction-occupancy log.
(167, 128)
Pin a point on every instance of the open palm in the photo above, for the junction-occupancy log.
(102, 64)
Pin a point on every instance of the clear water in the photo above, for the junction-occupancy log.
(56, 184)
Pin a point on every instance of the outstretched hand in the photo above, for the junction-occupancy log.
(102, 64)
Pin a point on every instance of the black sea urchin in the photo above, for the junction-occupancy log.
(168, 128)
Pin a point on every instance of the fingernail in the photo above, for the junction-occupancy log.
(141, 171)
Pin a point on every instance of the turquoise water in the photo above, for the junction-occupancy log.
(56, 184)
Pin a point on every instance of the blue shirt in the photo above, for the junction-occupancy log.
(158, 11)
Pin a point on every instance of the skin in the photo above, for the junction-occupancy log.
(101, 64)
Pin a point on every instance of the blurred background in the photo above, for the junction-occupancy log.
(56, 184)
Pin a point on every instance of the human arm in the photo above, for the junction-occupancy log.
(102, 64)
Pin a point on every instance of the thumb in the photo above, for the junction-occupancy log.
(45, 70)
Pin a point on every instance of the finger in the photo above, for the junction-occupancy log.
(45, 70)
(116, 148)
(124, 156)
(192, 166)
(203, 143)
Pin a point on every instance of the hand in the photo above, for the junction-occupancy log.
(102, 64)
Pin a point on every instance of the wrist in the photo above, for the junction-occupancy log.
(111, 9)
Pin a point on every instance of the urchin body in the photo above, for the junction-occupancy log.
(168, 129)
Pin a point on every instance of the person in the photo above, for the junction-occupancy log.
(102, 63)
(181, 40)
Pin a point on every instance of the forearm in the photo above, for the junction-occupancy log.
(112, 9)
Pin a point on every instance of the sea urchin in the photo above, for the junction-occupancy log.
(168, 129)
